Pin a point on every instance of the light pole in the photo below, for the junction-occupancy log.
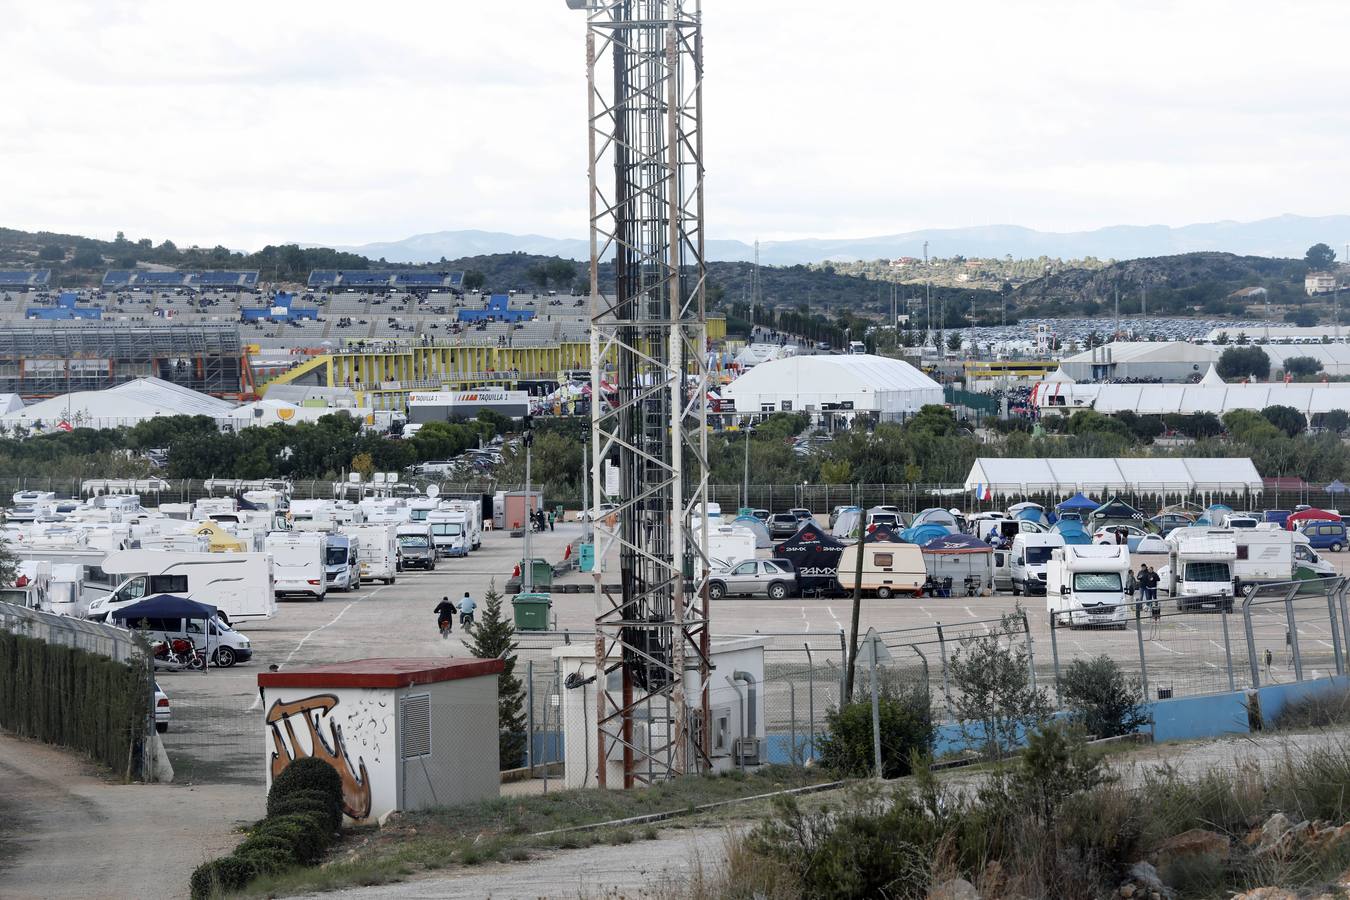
(745, 478)
(526, 566)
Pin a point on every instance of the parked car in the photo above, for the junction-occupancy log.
(1323, 535)
(1107, 533)
(761, 514)
(1166, 523)
(772, 578)
(783, 525)
(163, 711)
(801, 513)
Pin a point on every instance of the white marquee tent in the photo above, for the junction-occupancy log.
(1160, 399)
(1020, 476)
(889, 387)
(124, 405)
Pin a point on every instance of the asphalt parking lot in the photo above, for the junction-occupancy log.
(217, 732)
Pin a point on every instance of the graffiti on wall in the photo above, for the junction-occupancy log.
(331, 748)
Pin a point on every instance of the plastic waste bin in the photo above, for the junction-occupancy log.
(541, 574)
(531, 611)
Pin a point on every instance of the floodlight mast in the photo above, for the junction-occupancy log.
(644, 70)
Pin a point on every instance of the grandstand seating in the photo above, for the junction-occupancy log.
(378, 279)
(23, 279)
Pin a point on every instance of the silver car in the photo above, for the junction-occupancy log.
(772, 578)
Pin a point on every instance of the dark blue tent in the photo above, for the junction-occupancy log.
(164, 606)
(1078, 502)
(956, 543)
(880, 533)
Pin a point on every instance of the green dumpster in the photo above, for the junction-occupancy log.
(541, 574)
(531, 611)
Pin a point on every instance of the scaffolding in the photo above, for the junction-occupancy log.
(644, 77)
(46, 360)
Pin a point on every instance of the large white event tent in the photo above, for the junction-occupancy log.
(1161, 399)
(889, 387)
(1186, 475)
(123, 405)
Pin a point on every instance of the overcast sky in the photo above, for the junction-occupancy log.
(344, 122)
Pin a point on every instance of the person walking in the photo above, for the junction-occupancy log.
(1153, 587)
(466, 608)
(445, 616)
(552, 516)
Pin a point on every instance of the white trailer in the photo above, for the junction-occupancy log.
(298, 563)
(238, 584)
(1085, 585)
(377, 550)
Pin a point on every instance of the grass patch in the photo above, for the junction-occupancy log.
(505, 828)
(1320, 710)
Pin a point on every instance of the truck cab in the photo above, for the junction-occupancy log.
(1030, 556)
(1085, 585)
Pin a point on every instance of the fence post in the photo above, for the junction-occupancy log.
(946, 678)
(1227, 647)
(1031, 654)
(1054, 654)
(1252, 661)
(876, 710)
(1335, 631)
(811, 699)
(792, 703)
(529, 715)
(1139, 636)
(1293, 632)
(843, 669)
(1343, 589)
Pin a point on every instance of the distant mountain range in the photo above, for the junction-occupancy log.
(1284, 236)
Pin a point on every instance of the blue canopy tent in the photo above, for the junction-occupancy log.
(1214, 514)
(922, 534)
(964, 559)
(1336, 487)
(1077, 503)
(1072, 531)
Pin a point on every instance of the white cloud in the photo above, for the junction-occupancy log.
(346, 122)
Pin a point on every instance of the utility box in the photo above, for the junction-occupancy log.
(403, 734)
(531, 611)
(736, 703)
(587, 560)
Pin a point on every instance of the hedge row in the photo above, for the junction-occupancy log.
(304, 813)
(74, 698)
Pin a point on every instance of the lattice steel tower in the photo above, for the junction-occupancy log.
(644, 67)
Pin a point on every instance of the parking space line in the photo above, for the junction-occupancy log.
(1165, 647)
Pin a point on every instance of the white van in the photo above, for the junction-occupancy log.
(227, 645)
(1307, 560)
(449, 532)
(237, 584)
(1200, 570)
(298, 563)
(342, 562)
(1085, 585)
(1030, 555)
(377, 551)
(32, 586)
(888, 569)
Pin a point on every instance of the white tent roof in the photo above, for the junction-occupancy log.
(142, 398)
(1187, 399)
(1212, 378)
(1059, 376)
(872, 382)
(1146, 351)
(1019, 476)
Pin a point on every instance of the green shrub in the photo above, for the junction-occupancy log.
(280, 804)
(1104, 702)
(307, 774)
(906, 729)
(307, 832)
(270, 852)
(220, 876)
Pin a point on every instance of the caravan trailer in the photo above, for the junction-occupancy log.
(887, 569)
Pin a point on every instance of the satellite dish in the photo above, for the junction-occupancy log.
(433, 491)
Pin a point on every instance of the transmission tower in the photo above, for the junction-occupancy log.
(644, 67)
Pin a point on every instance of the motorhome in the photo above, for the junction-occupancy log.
(238, 584)
(1307, 563)
(66, 595)
(342, 562)
(1030, 555)
(32, 586)
(473, 519)
(377, 550)
(1199, 572)
(730, 543)
(1085, 585)
(449, 532)
(298, 563)
(416, 545)
(887, 569)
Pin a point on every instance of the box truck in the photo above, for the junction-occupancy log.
(377, 551)
(1085, 585)
(298, 563)
(238, 584)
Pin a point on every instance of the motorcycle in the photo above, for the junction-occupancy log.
(179, 653)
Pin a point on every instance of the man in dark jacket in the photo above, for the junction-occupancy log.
(445, 616)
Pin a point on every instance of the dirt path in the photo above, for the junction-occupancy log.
(67, 831)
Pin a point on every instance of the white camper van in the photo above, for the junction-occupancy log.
(32, 586)
(342, 562)
(298, 563)
(416, 545)
(1200, 570)
(1085, 584)
(730, 543)
(473, 519)
(237, 584)
(378, 550)
(1030, 555)
(449, 532)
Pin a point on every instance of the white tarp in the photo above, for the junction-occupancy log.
(1019, 476)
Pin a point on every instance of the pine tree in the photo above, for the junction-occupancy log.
(491, 637)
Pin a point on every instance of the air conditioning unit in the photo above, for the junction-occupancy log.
(745, 751)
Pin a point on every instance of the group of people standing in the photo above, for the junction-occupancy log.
(1145, 584)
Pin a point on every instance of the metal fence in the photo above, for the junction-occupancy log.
(95, 637)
